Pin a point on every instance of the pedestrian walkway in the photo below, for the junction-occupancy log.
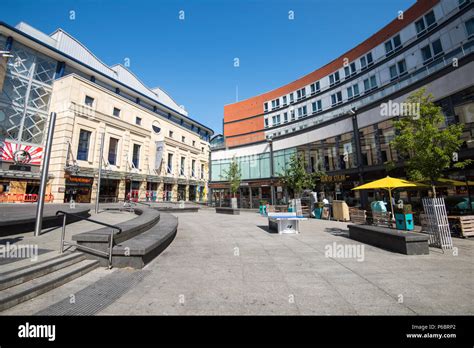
(232, 265)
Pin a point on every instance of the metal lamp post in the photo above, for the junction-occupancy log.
(99, 178)
(44, 175)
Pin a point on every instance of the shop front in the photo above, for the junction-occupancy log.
(109, 190)
(78, 188)
(181, 192)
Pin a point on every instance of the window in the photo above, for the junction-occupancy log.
(315, 87)
(183, 139)
(366, 61)
(437, 48)
(202, 149)
(425, 23)
(194, 142)
(336, 98)
(426, 53)
(193, 168)
(285, 100)
(292, 115)
(266, 123)
(181, 171)
(291, 98)
(171, 134)
(265, 107)
(113, 149)
(83, 148)
(156, 127)
(350, 70)
(353, 91)
(370, 83)
(316, 106)
(398, 69)
(302, 111)
(136, 155)
(89, 101)
(202, 171)
(301, 93)
(275, 104)
(169, 169)
(334, 78)
(429, 52)
(116, 112)
(285, 117)
(393, 44)
(470, 27)
(138, 121)
(277, 119)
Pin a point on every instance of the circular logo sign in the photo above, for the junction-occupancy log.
(21, 157)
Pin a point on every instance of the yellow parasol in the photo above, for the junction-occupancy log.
(388, 184)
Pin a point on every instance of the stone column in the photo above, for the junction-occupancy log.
(121, 189)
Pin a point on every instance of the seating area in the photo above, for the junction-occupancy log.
(403, 242)
(141, 239)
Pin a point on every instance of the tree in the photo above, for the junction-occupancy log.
(427, 147)
(233, 175)
(296, 177)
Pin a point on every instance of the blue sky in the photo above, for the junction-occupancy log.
(193, 60)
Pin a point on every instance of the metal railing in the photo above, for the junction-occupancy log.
(78, 246)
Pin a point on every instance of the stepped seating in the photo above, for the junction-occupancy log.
(24, 283)
(141, 249)
(141, 239)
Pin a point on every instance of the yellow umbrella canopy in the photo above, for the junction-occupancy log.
(388, 184)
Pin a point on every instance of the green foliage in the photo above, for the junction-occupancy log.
(233, 176)
(295, 176)
(427, 146)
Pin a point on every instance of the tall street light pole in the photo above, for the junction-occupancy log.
(101, 155)
(44, 175)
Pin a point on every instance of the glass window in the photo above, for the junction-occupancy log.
(182, 165)
(426, 53)
(373, 81)
(171, 134)
(369, 58)
(356, 89)
(420, 25)
(113, 148)
(138, 121)
(363, 62)
(116, 112)
(366, 85)
(83, 148)
(284, 100)
(402, 67)
(393, 72)
(349, 92)
(470, 27)
(89, 101)
(396, 41)
(347, 71)
(265, 107)
(430, 18)
(285, 117)
(266, 122)
(291, 98)
(437, 48)
(388, 46)
(136, 155)
(169, 168)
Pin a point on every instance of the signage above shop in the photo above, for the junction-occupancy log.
(334, 178)
(20, 154)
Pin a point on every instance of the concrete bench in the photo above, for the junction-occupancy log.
(136, 252)
(229, 211)
(284, 222)
(403, 242)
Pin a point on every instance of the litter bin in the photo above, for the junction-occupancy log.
(404, 221)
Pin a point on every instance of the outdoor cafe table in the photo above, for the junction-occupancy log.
(285, 222)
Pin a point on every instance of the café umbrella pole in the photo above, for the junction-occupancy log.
(44, 175)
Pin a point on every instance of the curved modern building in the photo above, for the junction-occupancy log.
(334, 114)
(149, 146)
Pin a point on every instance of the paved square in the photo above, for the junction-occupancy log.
(226, 265)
